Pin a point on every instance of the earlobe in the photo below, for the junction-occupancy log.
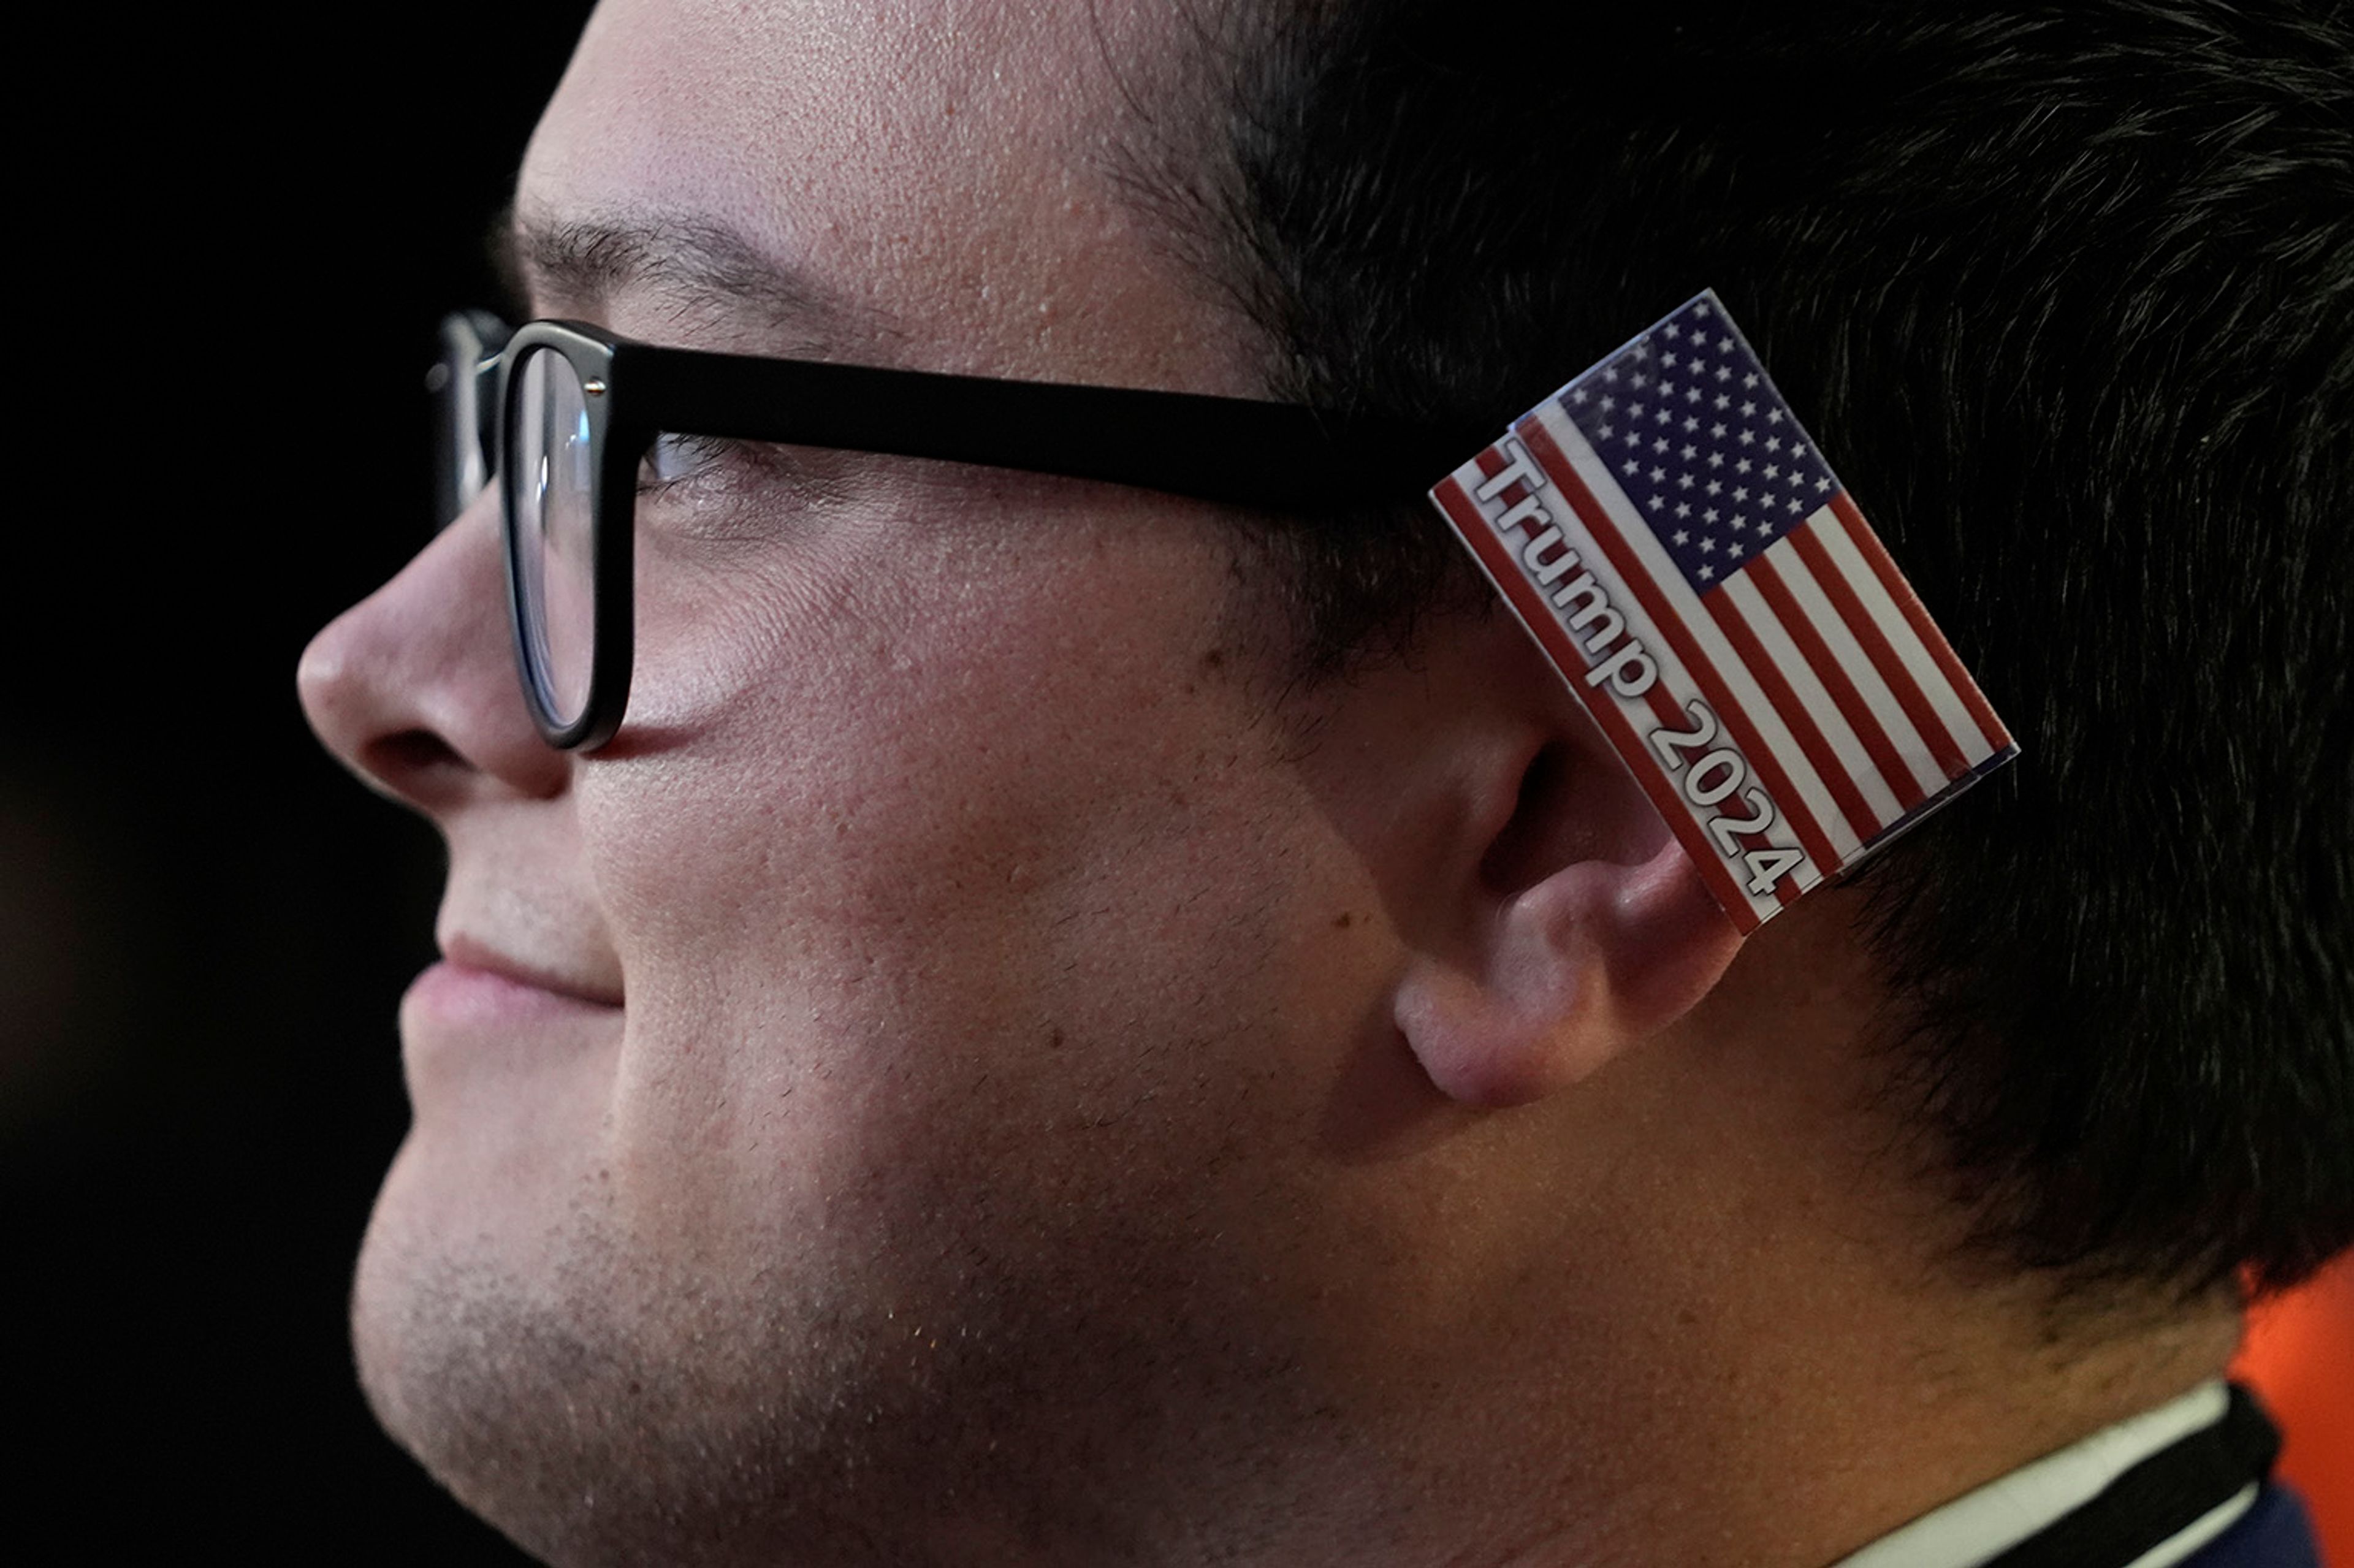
(1578, 967)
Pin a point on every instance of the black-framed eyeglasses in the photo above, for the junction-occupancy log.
(560, 415)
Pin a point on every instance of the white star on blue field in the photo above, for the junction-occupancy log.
(1701, 442)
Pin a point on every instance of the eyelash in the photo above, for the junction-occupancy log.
(697, 484)
(707, 457)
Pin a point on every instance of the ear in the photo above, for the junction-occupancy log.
(1590, 931)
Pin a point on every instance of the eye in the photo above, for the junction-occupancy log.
(710, 484)
(674, 460)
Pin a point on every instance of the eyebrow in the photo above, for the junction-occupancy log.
(697, 268)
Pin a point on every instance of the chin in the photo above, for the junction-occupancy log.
(478, 1361)
(597, 1405)
(953, 1396)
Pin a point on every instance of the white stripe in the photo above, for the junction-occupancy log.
(1813, 695)
(1799, 578)
(1974, 746)
(1668, 578)
(2002, 1513)
(1673, 677)
(2199, 1531)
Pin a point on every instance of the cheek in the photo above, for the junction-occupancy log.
(912, 859)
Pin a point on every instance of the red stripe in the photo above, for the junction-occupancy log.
(1537, 615)
(1703, 673)
(1503, 565)
(1698, 839)
(1665, 708)
(1800, 627)
(1908, 604)
(1699, 846)
(1670, 714)
(1892, 672)
(1860, 818)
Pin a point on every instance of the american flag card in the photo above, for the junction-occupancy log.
(1678, 547)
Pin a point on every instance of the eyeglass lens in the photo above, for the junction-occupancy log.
(554, 541)
(463, 382)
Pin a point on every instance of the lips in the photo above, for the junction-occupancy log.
(470, 954)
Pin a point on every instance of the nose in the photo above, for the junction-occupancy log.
(414, 688)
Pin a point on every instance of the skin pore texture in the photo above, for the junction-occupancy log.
(969, 1076)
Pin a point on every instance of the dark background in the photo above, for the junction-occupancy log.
(240, 233)
(235, 238)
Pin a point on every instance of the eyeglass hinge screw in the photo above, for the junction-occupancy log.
(595, 388)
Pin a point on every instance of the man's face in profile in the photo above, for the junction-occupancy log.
(902, 1064)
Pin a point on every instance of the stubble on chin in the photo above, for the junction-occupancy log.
(619, 1411)
(602, 1416)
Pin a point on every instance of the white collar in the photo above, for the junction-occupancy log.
(1997, 1516)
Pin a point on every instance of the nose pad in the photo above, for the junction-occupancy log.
(414, 688)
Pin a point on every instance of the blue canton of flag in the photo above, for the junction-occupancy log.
(1699, 439)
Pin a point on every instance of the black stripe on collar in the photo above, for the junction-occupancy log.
(2158, 1499)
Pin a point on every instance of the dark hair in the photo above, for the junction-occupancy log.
(2067, 294)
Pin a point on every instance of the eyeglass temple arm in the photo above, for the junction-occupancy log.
(1217, 448)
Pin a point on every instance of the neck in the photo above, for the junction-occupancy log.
(1752, 1342)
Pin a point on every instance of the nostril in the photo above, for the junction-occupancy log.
(409, 753)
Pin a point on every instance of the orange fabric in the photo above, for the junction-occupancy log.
(2298, 1356)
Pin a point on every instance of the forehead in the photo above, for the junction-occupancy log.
(950, 173)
